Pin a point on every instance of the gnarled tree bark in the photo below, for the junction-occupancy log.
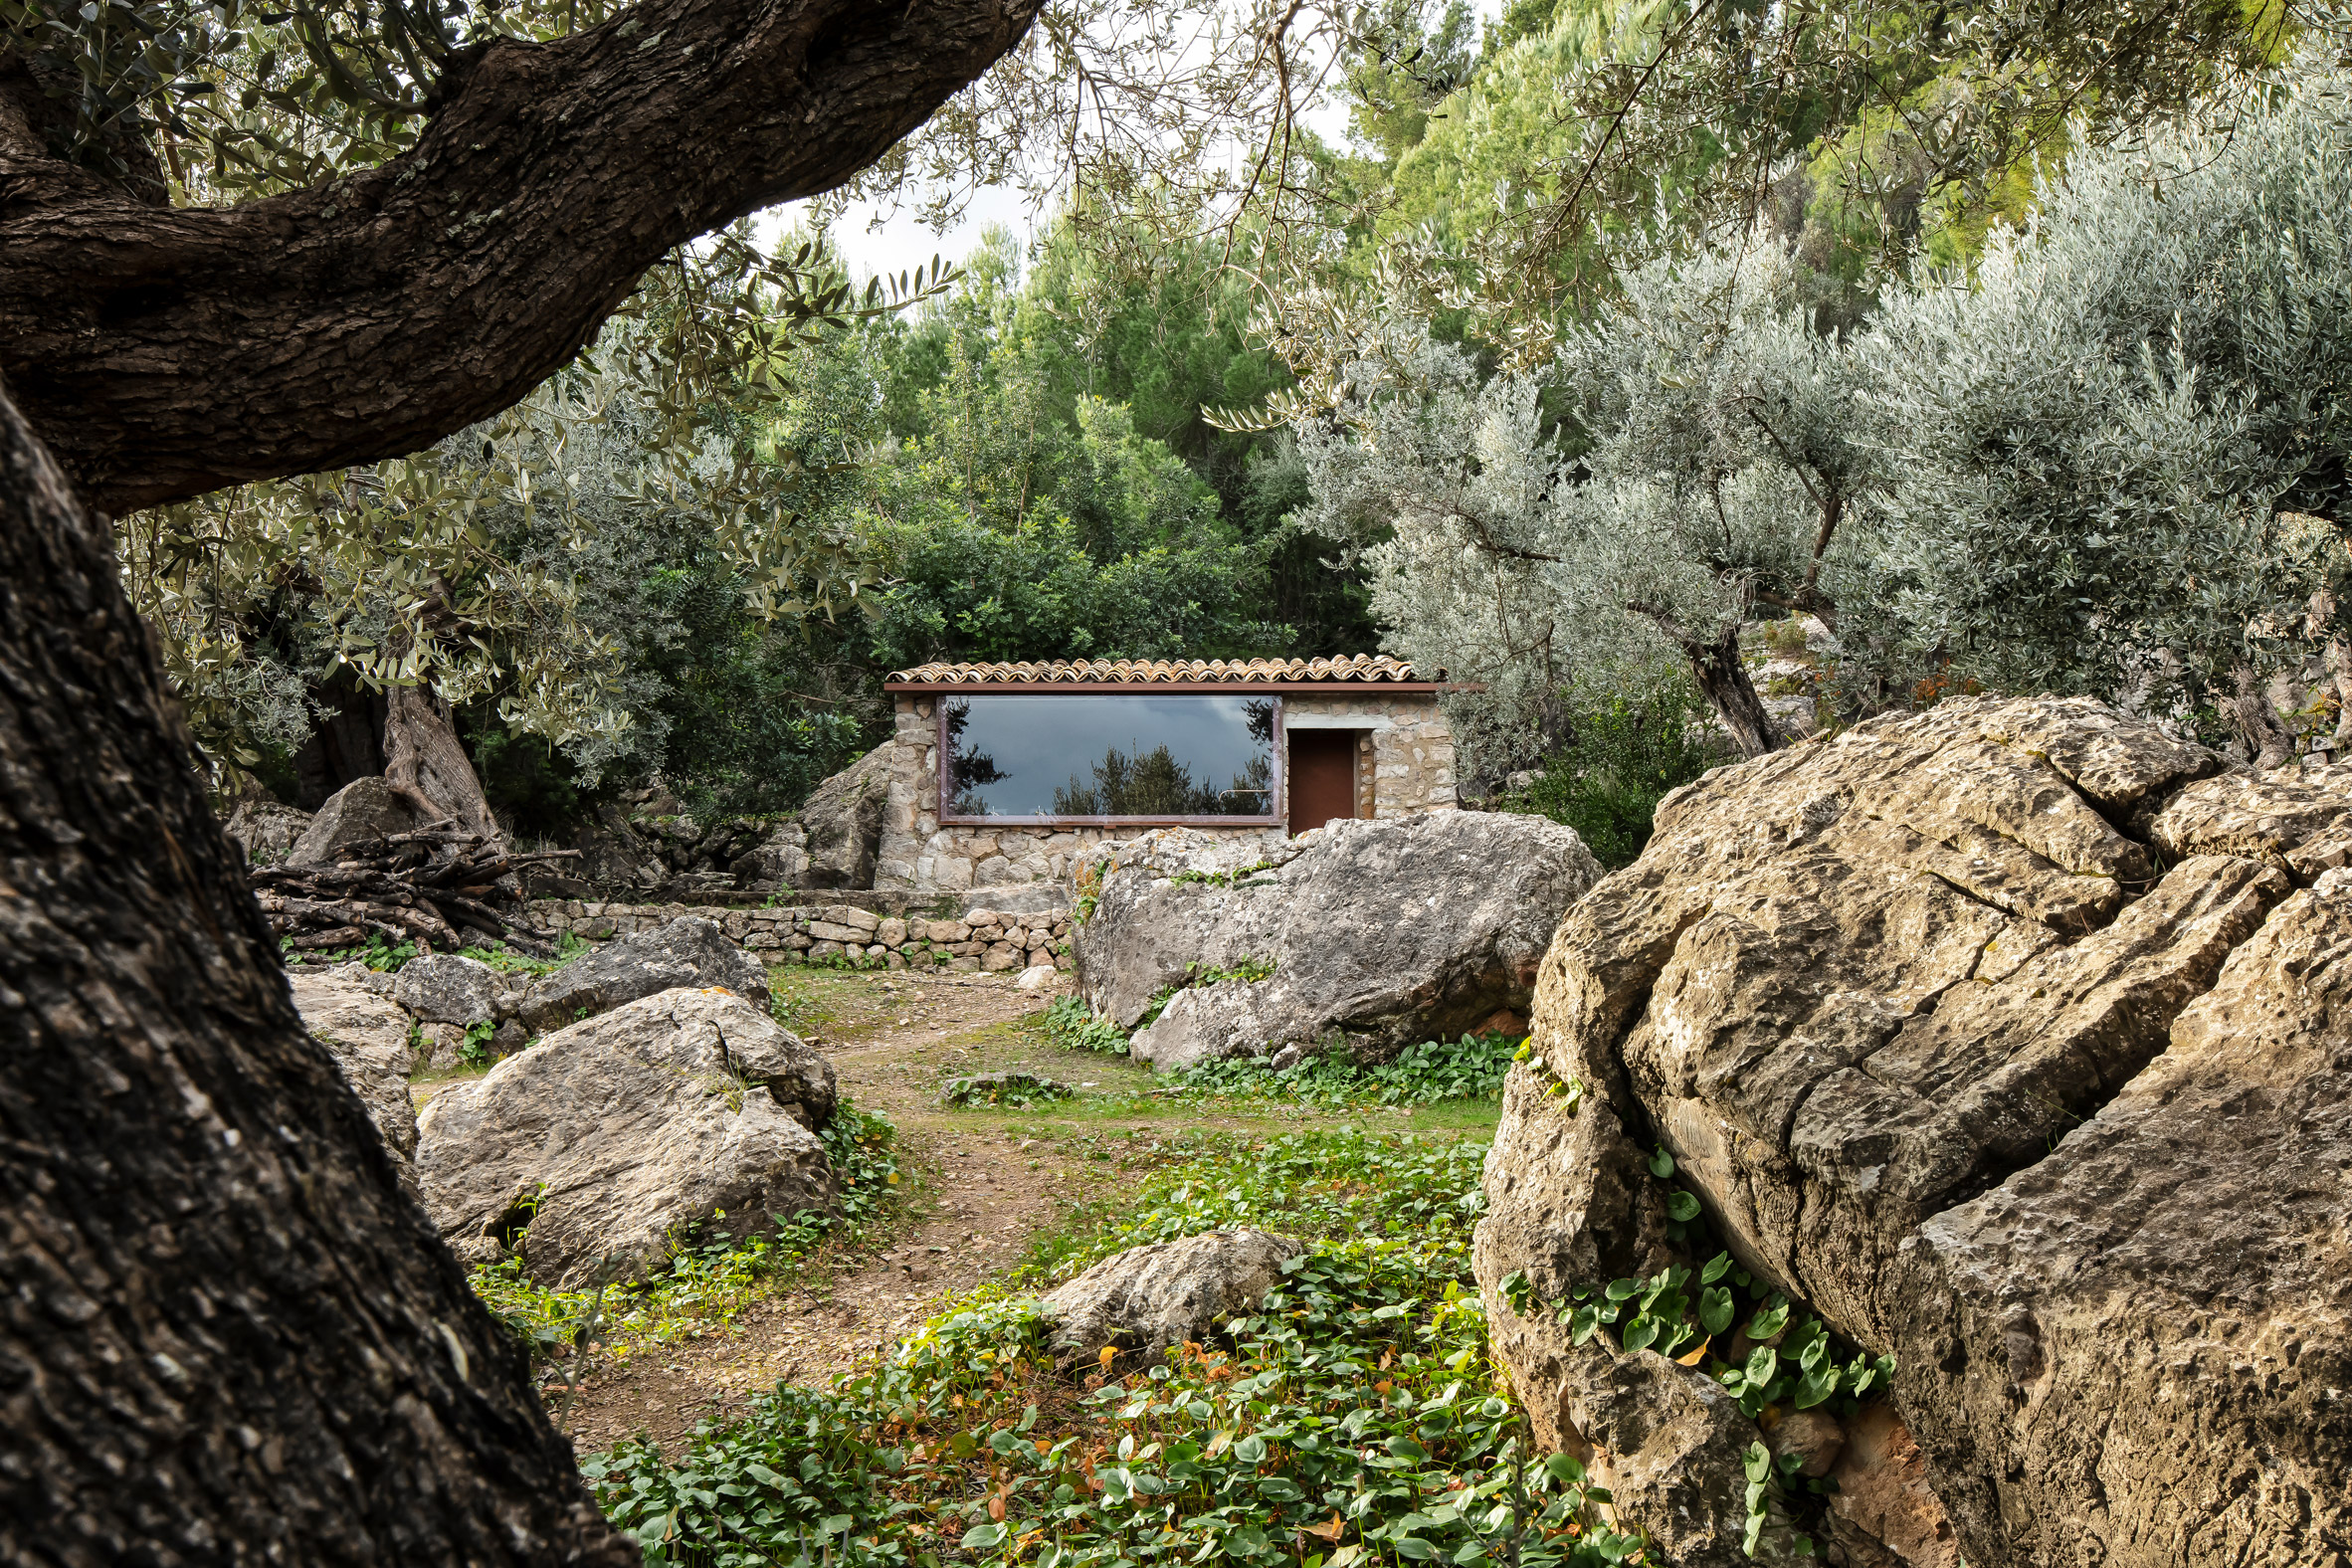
(227, 1335)
(426, 762)
(1722, 678)
(162, 353)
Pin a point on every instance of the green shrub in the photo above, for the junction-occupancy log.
(1626, 754)
(1434, 1071)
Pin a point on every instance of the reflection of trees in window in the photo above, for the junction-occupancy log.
(1259, 715)
(1154, 784)
(967, 772)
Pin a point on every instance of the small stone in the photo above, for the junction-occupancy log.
(1812, 1434)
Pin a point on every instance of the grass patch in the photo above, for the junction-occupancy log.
(1353, 1416)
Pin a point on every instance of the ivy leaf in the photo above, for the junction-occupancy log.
(1681, 1205)
(1581, 1325)
(1717, 1267)
(1661, 1164)
(1813, 1387)
(1716, 1309)
(1641, 1334)
(1762, 1363)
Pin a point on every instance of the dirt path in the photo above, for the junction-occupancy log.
(983, 1192)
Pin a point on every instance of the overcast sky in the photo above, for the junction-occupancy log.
(902, 242)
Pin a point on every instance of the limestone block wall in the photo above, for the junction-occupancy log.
(1412, 757)
(1406, 765)
(978, 938)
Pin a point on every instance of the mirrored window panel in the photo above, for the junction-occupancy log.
(1109, 756)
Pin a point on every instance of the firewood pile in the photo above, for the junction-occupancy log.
(432, 886)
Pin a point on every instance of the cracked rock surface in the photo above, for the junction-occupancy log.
(1381, 933)
(683, 1109)
(2007, 1038)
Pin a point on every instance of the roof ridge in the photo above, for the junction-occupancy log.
(1367, 669)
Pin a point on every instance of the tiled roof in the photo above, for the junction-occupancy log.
(1160, 672)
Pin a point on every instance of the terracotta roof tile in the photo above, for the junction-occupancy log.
(1158, 672)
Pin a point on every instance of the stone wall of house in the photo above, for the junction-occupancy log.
(1412, 761)
(1411, 769)
(976, 939)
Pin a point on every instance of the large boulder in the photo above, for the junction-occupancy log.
(266, 829)
(843, 823)
(1380, 933)
(1148, 1299)
(779, 860)
(685, 1112)
(449, 988)
(364, 809)
(368, 1037)
(1941, 1021)
(688, 951)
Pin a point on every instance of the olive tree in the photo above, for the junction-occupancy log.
(1700, 468)
(2114, 446)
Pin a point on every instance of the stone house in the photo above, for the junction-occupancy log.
(1000, 772)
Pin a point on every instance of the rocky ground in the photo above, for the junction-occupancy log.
(989, 1182)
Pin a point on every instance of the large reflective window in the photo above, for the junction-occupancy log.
(1109, 756)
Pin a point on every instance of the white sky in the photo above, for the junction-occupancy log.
(902, 242)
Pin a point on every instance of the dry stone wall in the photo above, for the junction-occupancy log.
(978, 938)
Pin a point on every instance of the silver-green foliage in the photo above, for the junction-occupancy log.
(2107, 441)
(2098, 464)
(1707, 463)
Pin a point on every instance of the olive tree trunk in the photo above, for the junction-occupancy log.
(164, 353)
(227, 1335)
(1722, 678)
(427, 764)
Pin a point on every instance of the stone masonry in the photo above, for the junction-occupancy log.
(975, 939)
(1404, 740)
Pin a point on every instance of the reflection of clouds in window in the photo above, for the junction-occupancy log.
(1109, 756)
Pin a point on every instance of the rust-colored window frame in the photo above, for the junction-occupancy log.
(1275, 792)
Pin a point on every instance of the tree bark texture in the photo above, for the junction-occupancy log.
(162, 353)
(2269, 742)
(426, 762)
(1722, 678)
(227, 1336)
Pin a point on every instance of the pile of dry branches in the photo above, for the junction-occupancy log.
(430, 886)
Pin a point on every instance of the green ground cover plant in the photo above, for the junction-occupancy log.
(1001, 1090)
(1427, 1074)
(1740, 1330)
(1068, 1021)
(1430, 1073)
(387, 958)
(1352, 1418)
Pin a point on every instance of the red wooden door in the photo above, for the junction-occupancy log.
(1322, 776)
